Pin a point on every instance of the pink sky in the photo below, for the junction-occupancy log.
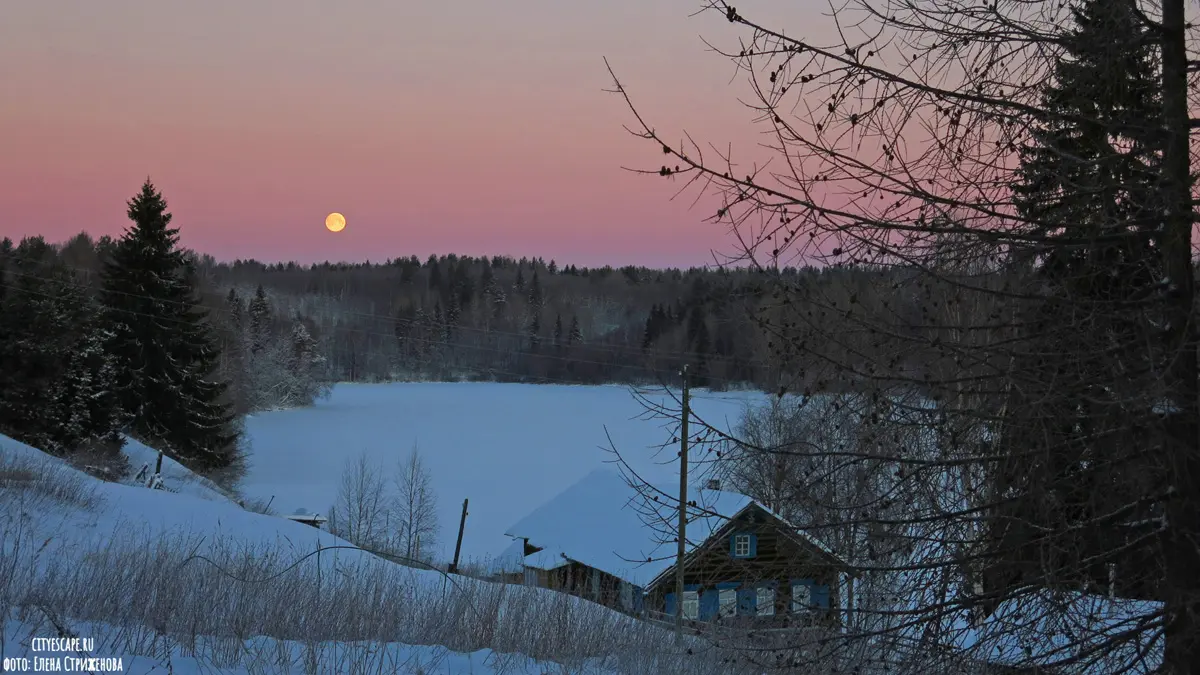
(474, 127)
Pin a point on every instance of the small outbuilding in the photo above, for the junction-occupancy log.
(310, 519)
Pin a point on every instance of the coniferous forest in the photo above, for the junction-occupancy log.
(152, 338)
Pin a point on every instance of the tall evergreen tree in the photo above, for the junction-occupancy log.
(56, 381)
(535, 332)
(233, 307)
(259, 328)
(485, 281)
(435, 274)
(574, 335)
(6, 248)
(164, 347)
(536, 296)
(1089, 189)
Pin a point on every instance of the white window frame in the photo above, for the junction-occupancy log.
(691, 605)
(765, 601)
(801, 591)
(738, 541)
(727, 602)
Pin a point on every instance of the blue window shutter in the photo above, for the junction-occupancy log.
(669, 604)
(709, 604)
(820, 595)
(753, 545)
(733, 545)
(747, 601)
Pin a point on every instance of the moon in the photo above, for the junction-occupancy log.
(335, 222)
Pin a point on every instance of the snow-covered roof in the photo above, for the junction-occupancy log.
(604, 523)
(510, 560)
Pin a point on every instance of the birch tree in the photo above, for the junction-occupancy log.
(415, 508)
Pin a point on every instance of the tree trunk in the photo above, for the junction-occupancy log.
(1182, 534)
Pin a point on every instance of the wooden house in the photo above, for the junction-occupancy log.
(756, 567)
(602, 541)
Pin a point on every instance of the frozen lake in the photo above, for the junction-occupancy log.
(507, 447)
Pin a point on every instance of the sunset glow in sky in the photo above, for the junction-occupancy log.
(474, 127)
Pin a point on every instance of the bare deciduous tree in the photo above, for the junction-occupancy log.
(359, 514)
(1022, 362)
(414, 510)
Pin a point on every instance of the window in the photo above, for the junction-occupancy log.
(766, 601)
(741, 545)
(801, 596)
(727, 600)
(691, 604)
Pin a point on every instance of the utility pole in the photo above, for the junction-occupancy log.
(683, 471)
(458, 546)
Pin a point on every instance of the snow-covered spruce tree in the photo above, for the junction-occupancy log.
(258, 328)
(303, 365)
(278, 370)
(165, 350)
(230, 326)
(87, 391)
(56, 381)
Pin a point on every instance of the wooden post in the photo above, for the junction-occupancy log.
(458, 546)
(683, 469)
(158, 466)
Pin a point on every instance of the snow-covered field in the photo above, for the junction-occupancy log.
(509, 448)
(185, 580)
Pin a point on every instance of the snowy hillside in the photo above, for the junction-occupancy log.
(109, 511)
(191, 583)
(509, 448)
(175, 477)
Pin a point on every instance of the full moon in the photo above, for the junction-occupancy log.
(335, 222)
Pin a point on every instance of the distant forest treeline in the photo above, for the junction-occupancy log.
(455, 317)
